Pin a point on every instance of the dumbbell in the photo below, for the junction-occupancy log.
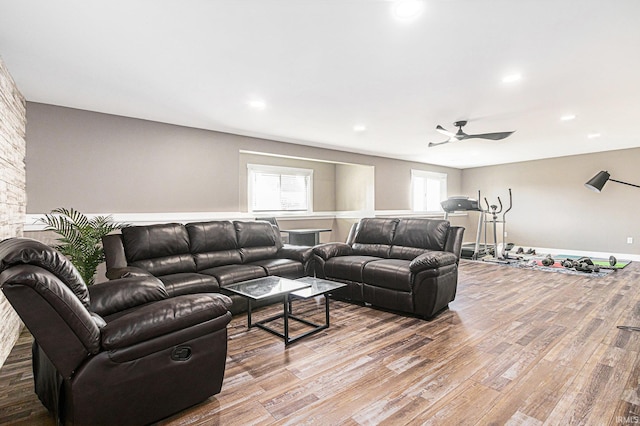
(548, 261)
(584, 264)
(586, 260)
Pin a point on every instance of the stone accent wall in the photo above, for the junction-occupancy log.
(13, 194)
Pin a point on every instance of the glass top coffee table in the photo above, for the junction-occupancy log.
(272, 287)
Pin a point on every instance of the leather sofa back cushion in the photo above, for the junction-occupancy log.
(154, 241)
(213, 243)
(212, 236)
(256, 240)
(375, 231)
(255, 234)
(427, 234)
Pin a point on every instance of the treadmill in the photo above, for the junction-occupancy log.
(475, 250)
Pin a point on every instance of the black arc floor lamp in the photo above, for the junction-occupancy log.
(597, 182)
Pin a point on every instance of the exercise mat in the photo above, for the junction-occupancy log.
(596, 261)
(557, 267)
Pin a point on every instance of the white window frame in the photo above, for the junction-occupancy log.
(425, 175)
(281, 170)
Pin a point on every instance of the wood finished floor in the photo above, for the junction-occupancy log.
(517, 347)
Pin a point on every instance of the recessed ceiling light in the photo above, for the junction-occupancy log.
(593, 135)
(407, 9)
(568, 117)
(257, 104)
(359, 128)
(512, 78)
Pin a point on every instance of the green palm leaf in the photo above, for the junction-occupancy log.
(80, 238)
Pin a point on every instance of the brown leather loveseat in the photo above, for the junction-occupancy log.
(408, 265)
(205, 256)
(119, 352)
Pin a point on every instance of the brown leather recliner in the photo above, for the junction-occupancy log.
(120, 352)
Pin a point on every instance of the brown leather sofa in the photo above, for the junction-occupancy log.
(205, 256)
(407, 265)
(120, 352)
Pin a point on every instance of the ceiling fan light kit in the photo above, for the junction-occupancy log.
(460, 135)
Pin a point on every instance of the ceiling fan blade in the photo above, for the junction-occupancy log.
(439, 143)
(493, 136)
(444, 131)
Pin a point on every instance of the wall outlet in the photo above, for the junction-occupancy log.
(629, 240)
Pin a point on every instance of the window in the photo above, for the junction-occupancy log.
(275, 188)
(428, 189)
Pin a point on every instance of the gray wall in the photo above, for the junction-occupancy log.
(100, 163)
(553, 209)
(355, 187)
(13, 197)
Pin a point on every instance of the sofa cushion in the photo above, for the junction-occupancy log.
(374, 237)
(253, 254)
(430, 234)
(167, 265)
(256, 240)
(255, 234)
(393, 274)
(151, 241)
(406, 253)
(217, 258)
(286, 268)
(160, 249)
(186, 283)
(213, 243)
(212, 236)
(230, 274)
(375, 231)
(347, 268)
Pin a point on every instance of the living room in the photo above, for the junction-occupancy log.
(115, 157)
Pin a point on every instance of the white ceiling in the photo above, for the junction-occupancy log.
(323, 66)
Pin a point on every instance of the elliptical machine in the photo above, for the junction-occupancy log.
(500, 249)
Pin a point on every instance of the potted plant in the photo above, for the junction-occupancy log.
(81, 238)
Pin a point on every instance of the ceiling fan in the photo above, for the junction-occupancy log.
(460, 135)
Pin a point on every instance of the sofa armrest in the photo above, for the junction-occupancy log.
(114, 255)
(299, 253)
(328, 250)
(432, 260)
(117, 295)
(126, 272)
(164, 317)
(454, 240)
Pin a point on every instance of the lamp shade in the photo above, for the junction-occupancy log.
(597, 182)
